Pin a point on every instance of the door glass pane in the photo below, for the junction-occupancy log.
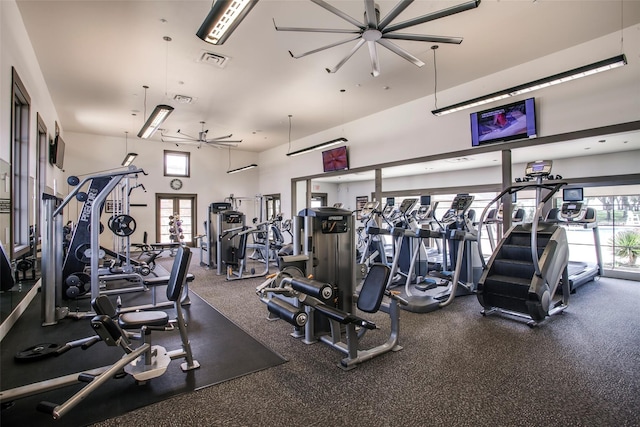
(185, 212)
(166, 210)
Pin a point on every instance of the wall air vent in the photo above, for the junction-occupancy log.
(215, 59)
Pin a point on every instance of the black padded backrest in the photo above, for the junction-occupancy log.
(518, 215)
(102, 305)
(373, 288)
(552, 215)
(278, 238)
(178, 273)
(6, 278)
(242, 247)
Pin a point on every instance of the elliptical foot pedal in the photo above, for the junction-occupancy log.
(426, 285)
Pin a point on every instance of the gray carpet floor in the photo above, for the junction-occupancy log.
(457, 368)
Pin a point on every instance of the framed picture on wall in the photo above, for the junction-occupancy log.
(360, 202)
(111, 207)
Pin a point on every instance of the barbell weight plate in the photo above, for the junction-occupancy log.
(123, 225)
(37, 352)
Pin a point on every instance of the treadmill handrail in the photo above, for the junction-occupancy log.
(510, 190)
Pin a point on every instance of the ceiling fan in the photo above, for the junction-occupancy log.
(374, 30)
(183, 138)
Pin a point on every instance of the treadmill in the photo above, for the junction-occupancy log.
(574, 213)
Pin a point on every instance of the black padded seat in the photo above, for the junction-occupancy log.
(138, 319)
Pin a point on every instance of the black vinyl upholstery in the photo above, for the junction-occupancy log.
(373, 288)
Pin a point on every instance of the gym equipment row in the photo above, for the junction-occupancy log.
(227, 238)
(325, 308)
(143, 363)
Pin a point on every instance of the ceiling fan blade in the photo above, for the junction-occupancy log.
(401, 52)
(434, 15)
(186, 135)
(316, 30)
(229, 141)
(346, 58)
(172, 138)
(375, 62)
(324, 47)
(219, 137)
(397, 10)
(423, 38)
(370, 14)
(337, 12)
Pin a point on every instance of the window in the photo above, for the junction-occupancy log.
(272, 202)
(20, 167)
(176, 163)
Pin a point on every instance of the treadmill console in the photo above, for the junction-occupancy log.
(460, 205)
(573, 212)
(369, 208)
(538, 168)
(407, 204)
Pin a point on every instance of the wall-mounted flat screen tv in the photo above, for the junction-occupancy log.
(335, 159)
(56, 152)
(508, 122)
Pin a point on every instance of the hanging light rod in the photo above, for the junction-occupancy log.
(223, 18)
(160, 113)
(244, 168)
(129, 158)
(318, 147)
(576, 73)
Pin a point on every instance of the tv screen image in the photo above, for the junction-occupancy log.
(572, 194)
(335, 159)
(508, 122)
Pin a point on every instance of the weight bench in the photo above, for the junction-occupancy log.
(146, 361)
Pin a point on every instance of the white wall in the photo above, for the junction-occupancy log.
(410, 130)
(16, 51)
(90, 154)
(400, 133)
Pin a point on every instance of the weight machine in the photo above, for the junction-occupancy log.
(323, 309)
(74, 279)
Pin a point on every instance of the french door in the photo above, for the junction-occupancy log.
(176, 218)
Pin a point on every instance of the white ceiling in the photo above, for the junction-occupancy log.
(97, 55)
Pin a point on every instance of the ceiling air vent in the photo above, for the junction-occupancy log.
(183, 99)
(215, 59)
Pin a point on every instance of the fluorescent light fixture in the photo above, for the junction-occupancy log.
(129, 158)
(244, 168)
(576, 73)
(160, 113)
(318, 147)
(223, 18)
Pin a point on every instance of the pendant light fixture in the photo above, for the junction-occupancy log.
(240, 169)
(162, 111)
(129, 157)
(223, 18)
(576, 73)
